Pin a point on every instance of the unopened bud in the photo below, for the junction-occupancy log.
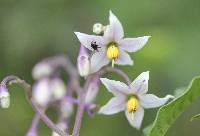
(92, 90)
(83, 62)
(66, 108)
(4, 97)
(41, 92)
(98, 28)
(41, 70)
(58, 88)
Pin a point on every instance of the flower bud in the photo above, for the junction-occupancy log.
(58, 88)
(41, 92)
(4, 97)
(98, 28)
(41, 70)
(83, 62)
(92, 90)
(66, 108)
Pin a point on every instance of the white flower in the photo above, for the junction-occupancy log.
(46, 90)
(4, 97)
(41, 70)
(113, 47)
(132, 99)
(41, 92)
(58, 88)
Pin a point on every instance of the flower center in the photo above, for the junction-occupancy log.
(132, 104)
(112, 51)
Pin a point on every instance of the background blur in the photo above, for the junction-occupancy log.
(31, 30)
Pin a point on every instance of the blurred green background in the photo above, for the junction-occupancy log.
(31, 30)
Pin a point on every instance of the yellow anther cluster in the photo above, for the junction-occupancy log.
(112, 52)
(132, 104)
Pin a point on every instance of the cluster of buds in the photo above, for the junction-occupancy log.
(97, 51)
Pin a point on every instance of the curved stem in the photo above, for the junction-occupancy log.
(46, 120)
(27, 88)
(118, 72)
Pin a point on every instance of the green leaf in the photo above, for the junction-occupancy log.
(168, 113)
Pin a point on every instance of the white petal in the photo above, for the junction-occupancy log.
(86, 40)
(117, 88)
(98, 60)
(133, 44)
(4, 98)
(135, 119)
(41, 92)
(124, 58)
(115, 105)
(58, 88)
(115, 30)
(41, 70)
(152, 101)
(140, 84)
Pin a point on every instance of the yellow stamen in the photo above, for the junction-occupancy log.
(132, 104)
(112, 52)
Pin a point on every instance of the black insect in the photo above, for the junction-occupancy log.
(94, 46)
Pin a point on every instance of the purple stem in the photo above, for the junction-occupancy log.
(81, 108)
(13, 79)
(118, 72)
(33, 129)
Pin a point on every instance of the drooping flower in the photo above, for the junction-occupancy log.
(131, 98)
(46, 90)
(41, 70)
(83, 62)
(113, 47)
(41, 92)
(4, 97)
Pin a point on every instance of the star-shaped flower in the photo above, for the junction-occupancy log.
(111, 46)
(132, 99)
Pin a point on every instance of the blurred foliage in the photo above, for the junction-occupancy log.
(34, 29)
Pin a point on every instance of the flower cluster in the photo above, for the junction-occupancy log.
(97, 51)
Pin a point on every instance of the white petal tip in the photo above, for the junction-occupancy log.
(147, 37)
(146, 74)
(110, 12)
(101, 111)
(103, 79)
(132, 63)
(170, 97)
(76, 33)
